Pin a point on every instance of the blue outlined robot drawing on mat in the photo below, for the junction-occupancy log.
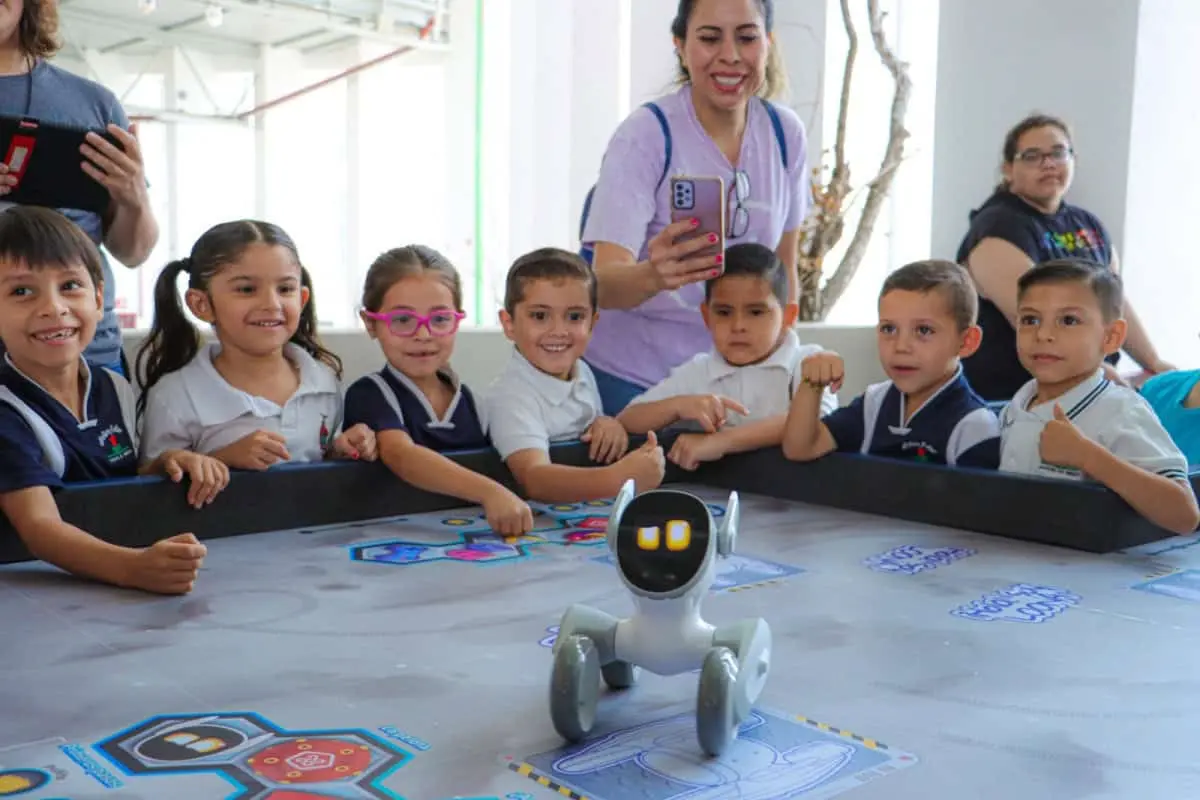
(760, 771)
(665, 545)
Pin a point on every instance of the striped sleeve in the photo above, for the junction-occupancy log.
(1139, 438)
(975, 441)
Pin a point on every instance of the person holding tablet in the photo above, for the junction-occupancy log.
(720, 123)
(32, 88)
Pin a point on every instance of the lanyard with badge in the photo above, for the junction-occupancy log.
(25, 139)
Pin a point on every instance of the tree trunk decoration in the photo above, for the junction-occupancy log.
(825, 224)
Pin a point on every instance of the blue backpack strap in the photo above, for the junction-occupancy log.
(777, 124)
(586, 251)
(666, 129)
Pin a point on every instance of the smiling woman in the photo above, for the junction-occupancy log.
(30, 87)
(720, 123)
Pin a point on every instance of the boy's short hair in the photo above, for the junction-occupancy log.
(42, 237)
(546, 263)
(935, 274)
(757, 261)
(1105, 284)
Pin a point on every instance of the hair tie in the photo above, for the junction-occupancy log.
(185, 264)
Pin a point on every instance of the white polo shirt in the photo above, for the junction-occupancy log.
(196, 409)
(765, 388)
(1111, 415)
(526, 409)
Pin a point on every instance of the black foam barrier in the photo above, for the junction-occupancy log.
(1075, 515)
(139, 511)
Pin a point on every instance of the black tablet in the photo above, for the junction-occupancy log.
(46, 160)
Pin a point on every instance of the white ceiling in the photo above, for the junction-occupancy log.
(146, 27)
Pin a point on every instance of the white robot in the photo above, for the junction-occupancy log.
(665, 545)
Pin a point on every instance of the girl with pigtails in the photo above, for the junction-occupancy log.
(265, 391)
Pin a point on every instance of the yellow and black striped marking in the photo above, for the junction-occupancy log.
(755, 585)
(821, 726)
(529, 772)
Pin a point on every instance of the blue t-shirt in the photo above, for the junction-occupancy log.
(62, 98)
(1166, 393)
(994, 370)
(388, 400)
(43, 444)
(953, 427)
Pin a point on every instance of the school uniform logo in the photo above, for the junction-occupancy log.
(324, 435)
(111, 441)
(919, 451)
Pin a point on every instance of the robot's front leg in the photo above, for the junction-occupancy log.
(601, 628)
(583, 652)
(731, 680)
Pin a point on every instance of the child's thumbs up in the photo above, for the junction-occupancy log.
(1059, 414)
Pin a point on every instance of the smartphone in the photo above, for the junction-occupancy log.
(700, 198)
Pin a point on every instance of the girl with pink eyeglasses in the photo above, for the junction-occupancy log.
(416, 405)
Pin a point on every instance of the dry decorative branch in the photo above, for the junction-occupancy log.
(824, 227)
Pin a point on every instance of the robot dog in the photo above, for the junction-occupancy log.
(665, 545)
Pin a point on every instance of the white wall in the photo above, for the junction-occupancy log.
(999, 60)
(1163, 197)
(480, 355)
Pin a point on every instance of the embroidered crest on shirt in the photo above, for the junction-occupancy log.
(110, 440)
(924, 450)
(324, 434)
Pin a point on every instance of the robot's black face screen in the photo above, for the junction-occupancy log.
(662, 540)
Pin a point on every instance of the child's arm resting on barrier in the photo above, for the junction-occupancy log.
(427, 469)
(709, 411)
(690, 450)
(207, 476)
(167, 567)
(548, 482)
(1137, 460)
(1167, 502)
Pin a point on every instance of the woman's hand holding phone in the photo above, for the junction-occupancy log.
(674, 259)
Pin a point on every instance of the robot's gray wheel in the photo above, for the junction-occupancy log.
(716, 725)
(619, 674)
(574, 686)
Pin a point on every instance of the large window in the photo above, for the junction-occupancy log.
(902, 230)
(351, 169)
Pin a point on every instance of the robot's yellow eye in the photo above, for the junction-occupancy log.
(679, 535)
(648, 538)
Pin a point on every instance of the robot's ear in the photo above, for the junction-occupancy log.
(622, 501)
(727, 535)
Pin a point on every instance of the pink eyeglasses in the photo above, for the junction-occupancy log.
(407, 323)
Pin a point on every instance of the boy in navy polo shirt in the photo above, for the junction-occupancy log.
(62, 421)
(925, 411)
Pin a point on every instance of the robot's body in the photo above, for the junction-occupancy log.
(666, 546)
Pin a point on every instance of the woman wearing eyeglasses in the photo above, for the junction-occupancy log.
(719, 122)
(1026, 221)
